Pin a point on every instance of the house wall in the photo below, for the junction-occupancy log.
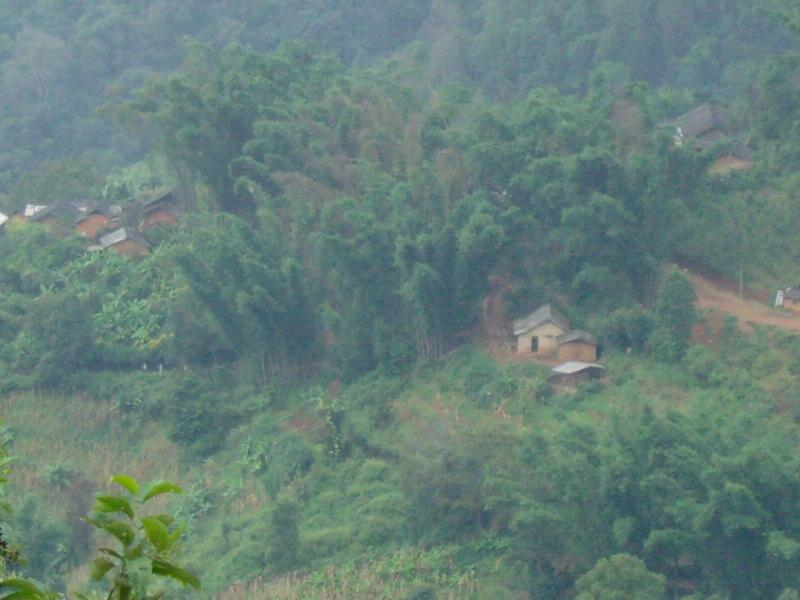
(158, 217)
(130, 248)
(547, 334)
(92, 225)
(791, 304)
(578, 351)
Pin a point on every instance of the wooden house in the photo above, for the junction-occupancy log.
(125, 243)
(788, 299)
(538, 333)
(56, 216)
(92, 222)
(702, 127)
(707, 126)
(163, 209)
(546, 333)
(575, 372)
(577, 345)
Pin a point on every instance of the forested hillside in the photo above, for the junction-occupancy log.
(274, 252)
(62, 61)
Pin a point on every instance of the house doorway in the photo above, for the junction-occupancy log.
(535, 344)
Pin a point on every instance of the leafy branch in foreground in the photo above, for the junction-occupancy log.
(144, 542)
(21, 589)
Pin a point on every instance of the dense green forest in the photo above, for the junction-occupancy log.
(61, 61)
(308, 345)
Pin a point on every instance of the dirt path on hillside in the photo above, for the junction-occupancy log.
(712, 295)
(495, 318)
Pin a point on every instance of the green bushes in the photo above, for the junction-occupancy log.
(197, 410)
(625, 328)
(58, 340)
(284, 544)
(620, 576)
(674, 316)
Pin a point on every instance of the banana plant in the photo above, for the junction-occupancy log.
(143, 543)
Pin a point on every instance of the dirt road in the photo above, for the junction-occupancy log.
(711, 295)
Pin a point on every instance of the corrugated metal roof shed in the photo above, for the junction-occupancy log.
(119, 236)
(576, 366)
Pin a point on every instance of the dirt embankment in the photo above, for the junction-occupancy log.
(720, 294)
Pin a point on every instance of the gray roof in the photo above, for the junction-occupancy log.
(61, 212)
(119, 236)
(792, 292)
(539, 317)
(95, 210)
(576, 366)
(162, 199)
(701, 120)
(577, 335)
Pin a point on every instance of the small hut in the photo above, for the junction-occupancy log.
(788, 299)
(577, 345)
(162, 209)
(702, 127)
(56, 216)
(575, 372)
(538, 333)
(125, 243)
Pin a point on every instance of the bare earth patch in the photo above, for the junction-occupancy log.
(712, 295)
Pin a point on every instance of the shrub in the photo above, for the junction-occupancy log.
(625, 328)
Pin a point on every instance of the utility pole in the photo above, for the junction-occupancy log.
(741, 283)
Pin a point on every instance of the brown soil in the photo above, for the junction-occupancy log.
(716, 294)
(724, 283)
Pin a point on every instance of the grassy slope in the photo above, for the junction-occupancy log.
(352, 527)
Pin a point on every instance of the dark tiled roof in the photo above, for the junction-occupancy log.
(792, 292)
(93, 211)
(538, 317)
(162, 199)
(60, 212)
(577, 335)
(702, 120)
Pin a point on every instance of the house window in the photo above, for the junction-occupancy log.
(534, 344)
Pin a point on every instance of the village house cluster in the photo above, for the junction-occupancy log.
(112, 228)
(547, 335)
